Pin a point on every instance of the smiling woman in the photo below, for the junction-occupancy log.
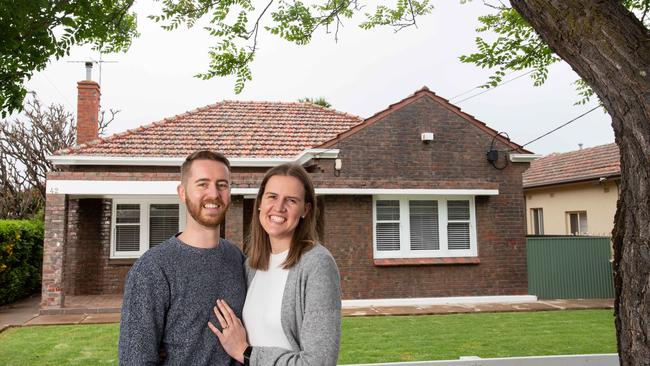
(292, 311)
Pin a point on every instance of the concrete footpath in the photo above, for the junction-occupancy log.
(26, 312)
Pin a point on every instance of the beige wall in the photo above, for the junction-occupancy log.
(597, 199)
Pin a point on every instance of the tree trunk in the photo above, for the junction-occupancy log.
(610, 49)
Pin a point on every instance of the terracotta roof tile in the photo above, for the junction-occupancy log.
(236, 128)
(589, 163)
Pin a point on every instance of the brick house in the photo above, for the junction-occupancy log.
(411, 205)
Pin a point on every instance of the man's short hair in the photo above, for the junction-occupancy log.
(202, 155)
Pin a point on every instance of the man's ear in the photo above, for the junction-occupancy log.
(180, 190)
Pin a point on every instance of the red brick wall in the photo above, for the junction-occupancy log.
(235, 221)
(88, 269)
(389, 154)
(52, 294)
(87, 111)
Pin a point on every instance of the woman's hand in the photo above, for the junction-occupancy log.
(233, 335)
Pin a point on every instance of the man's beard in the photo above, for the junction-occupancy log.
(213, 221)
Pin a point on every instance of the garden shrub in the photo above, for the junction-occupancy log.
(21, 258)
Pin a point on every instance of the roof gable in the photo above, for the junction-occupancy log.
(590, 163)
(238, 129)
(424, 92)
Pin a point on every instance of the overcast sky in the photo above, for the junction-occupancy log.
(363, 73)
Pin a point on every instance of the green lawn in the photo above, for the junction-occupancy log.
(365, 339)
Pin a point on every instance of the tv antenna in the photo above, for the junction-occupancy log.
(99, 62)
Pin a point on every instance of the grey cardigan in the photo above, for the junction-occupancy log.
(310, 315)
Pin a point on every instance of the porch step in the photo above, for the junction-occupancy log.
(61, 311)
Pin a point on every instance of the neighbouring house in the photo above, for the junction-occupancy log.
(573, 193)
(412, 207)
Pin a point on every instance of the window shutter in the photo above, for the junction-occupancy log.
(388, 210)
(163, 222)
(458, 235)
(128, 214)
(387, 236)
(458, 225)
(127, 228)
(423, 216)
(127, 238)
(387, 231)
(458, 210)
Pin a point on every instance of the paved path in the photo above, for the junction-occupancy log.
(25, 312)
(20, 312)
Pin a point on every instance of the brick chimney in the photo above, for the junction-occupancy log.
(87, 108)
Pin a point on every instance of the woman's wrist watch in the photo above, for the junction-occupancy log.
(247, 355)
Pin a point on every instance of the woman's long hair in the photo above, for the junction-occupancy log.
(304, 236)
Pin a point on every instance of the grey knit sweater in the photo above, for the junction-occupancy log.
(310, 315)
(168, 299)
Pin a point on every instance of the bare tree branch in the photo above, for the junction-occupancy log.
(25, 144)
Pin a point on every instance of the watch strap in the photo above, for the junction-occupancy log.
(247, 355)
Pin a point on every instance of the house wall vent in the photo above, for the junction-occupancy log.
(427, 136)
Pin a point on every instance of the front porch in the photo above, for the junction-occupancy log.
(105, 304)
(87, 304)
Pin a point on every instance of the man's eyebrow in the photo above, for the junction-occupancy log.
(201, 180)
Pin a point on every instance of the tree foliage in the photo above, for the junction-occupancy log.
(236, 24)
(35, 31)
(25, 144)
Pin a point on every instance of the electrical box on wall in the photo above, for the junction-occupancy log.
(493, 155)
(427, 136)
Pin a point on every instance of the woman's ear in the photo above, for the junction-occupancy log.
(306, 211)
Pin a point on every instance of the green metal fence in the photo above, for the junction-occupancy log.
(572, 267)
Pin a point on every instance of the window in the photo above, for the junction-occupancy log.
(537, 220)
(138, 225)
(424, 226)
(577, 222)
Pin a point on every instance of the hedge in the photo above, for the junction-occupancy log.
(21, 258)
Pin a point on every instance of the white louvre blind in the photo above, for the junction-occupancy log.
(458, 225)
(387, 229)
(423, 217)
(163, 222)
(127, 228)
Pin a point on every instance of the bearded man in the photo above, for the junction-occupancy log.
(171, 290)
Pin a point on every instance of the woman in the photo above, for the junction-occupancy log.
(292, 311)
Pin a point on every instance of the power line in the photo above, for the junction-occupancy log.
(508, 81)
(478, 87)
(487, 90)
(565, 124)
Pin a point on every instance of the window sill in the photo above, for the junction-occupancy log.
(121, 261)
(384, 262)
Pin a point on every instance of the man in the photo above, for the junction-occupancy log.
(171, 290)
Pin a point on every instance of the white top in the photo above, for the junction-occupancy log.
(263, 305)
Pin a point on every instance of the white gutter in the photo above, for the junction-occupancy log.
(524, 158)
(149, 188)
(300, 158)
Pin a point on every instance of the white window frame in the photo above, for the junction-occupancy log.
(580, 229)
(539, 223)
(144, 222)
(404, 228)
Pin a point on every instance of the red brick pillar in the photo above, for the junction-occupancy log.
(53, 250)
(235, 221)
(87, 111)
